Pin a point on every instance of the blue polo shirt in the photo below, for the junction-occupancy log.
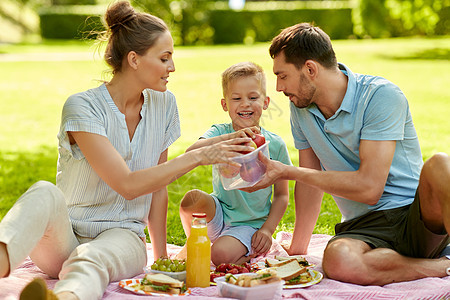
(373, 109)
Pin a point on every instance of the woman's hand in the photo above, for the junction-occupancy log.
(221, 152)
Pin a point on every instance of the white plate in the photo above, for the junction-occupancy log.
(316, 278)
(131, 285)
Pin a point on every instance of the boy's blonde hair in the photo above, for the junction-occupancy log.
(243, 69)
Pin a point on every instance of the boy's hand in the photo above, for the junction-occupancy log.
(261, 242)
(247, 132)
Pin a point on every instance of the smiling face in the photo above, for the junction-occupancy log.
(244, 101)
(293, 82)
(156, 64)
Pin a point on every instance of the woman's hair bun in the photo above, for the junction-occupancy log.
(119, 13)
(129, 30)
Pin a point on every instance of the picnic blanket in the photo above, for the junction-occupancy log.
(427, 288)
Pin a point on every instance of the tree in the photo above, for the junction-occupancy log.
(386, 18)
(187, 19)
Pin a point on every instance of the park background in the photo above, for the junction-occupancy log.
(47, 53)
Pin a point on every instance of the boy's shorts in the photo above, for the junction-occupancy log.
(217, 228)
(400, 229)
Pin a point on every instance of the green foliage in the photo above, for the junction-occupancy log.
(261, 26)
(443, 26)
(394, 18)
(73, 2)
(71, 22)
(187, 19)
(196, 22)
(17, 21)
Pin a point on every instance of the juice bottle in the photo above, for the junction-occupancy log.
(198, 260)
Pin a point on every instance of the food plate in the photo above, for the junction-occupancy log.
(262, 265)
(132, 285)
(181, 276)
(316, 278)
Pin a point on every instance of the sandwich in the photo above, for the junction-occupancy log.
(162, 284)
(293, 273)
(272, 262)
(301, 260)
(261, 277)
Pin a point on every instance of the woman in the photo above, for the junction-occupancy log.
(88, 230)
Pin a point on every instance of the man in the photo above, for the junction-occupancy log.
(357, 142)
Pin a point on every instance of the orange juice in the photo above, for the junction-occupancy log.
(198, 253)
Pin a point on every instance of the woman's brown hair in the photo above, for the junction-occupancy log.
(129, 30)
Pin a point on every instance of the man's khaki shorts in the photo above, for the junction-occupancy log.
(400, 229)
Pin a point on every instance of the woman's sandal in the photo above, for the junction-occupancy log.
(37, 290)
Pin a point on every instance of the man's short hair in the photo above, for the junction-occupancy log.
(243, 69)
(302, 42)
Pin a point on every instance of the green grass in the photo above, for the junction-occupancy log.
(33, 90)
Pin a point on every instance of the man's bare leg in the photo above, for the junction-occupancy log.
(434, 193)
(354, 261)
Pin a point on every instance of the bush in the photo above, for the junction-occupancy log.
(443, 26)
(262, 26)
(69, 22)
(74, 2)
(195, 22)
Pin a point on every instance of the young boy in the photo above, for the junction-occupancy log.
(240, 224)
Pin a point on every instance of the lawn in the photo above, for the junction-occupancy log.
(36, 80)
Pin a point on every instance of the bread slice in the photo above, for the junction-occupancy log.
(154, 289)
(271, 262)
(290, 270)
(162, 279)
(299, 258)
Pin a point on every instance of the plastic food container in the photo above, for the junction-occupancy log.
(260, 292)
(250, 172)
(181, 276)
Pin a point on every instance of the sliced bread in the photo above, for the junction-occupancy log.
(299, 258)
(271, 262)
(162, 279)
(290, 270)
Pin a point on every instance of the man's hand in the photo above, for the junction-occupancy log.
(274, 172)
(261, 242)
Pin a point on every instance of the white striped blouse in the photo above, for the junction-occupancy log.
(93, 206)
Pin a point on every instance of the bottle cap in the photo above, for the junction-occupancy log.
(199, 215)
